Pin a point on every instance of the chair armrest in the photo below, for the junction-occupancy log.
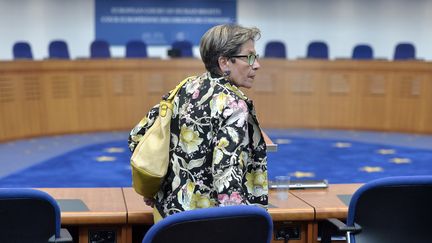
(343, 227)
(332, 226)
(65, 237)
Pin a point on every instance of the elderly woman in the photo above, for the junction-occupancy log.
(217, 152)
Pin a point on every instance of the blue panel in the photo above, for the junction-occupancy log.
(160, 22)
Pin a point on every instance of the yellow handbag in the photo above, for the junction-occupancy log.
(150, 158)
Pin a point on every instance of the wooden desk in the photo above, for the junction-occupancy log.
(290, 213)
(138, 212)
(106, 211)
(123, 211)
(271, 147)
(326, 202)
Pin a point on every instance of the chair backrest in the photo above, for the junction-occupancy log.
(100, 49)
(28, 215)
(58, 49)
(22, 50)
(275, 49)
(136, 49)
(395, 209)
(184, 47)
(317, 49)
(231, 224)
(404, 51)
(362, 52)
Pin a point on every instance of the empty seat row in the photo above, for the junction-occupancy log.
(58, 49)
(320, 50)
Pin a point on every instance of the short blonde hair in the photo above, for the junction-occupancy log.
(224, 41)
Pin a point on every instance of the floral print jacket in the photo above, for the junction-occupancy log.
(217, 152)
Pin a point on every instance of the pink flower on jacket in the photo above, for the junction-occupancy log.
(238, 111)
(233, 199)
(195, 94)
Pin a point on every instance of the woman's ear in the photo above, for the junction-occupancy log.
(223, 63)
(224, 66)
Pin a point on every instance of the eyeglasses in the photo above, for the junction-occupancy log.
(250, 58)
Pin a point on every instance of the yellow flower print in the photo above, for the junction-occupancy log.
(243, 159)
(218, 102)
(223, 142)
(236, 90)
(189, 139)
(257, 183)
(201, 201)
(218, 152)
(217, 156)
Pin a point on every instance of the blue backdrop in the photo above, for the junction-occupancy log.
(160, 22)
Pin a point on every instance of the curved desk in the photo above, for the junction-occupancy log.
(49, 97)
(123, 212)
(293, 213)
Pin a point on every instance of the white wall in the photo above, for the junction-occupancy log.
(341, 23)
(40, 21)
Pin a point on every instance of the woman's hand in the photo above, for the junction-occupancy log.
(149, 201)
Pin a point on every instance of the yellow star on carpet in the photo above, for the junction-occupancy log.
(105, 158)
(282, 141)
(301, 174)
(400, 160)
(371, 169)
(114, 150)
(342, 145)
(386, 151)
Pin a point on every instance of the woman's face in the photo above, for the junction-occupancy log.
(242, 73)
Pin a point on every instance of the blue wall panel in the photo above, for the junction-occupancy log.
(160, 22)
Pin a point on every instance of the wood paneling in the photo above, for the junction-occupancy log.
(61, 96)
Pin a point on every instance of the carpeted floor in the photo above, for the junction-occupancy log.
(347, 157)
(102, 159)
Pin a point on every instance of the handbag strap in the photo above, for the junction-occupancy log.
(174, 92)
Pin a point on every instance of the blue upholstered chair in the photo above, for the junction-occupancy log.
(231, 224)
(100, 49)
(58, 49)
(275, 49)
(29, 215)
(22, 50)
(389, 210)
(362, 52)
(318, 50)
(404, 51)
(136, 49)
(181, 49)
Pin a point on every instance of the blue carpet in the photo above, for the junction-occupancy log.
(338, 161)
(345, 161)
(100, 165)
